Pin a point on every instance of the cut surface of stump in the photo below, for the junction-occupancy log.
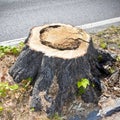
(63, 41)
(60, 54)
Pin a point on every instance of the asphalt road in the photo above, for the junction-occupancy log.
(18, 16)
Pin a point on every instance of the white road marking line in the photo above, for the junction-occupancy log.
(100, 23)
(85, 26)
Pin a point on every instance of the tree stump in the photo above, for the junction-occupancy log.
(61, 53)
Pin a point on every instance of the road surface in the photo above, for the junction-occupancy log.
(18, 16)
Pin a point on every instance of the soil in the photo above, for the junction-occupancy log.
(111, 38)
(16, 103)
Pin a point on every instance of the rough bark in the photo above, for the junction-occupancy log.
(62, 53)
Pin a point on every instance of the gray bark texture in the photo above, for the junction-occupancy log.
(44, 69)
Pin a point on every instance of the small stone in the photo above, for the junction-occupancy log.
(116, 88)
(93, 116)
(109, 106)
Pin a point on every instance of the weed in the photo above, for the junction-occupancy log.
(5, 88)
(15, 50)
(32, 109)
(100, 58)
(103, 45)
(26, 83)
(118, 58)
(111, 70)
(55, 117)
(1, 109)
(82, 85)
